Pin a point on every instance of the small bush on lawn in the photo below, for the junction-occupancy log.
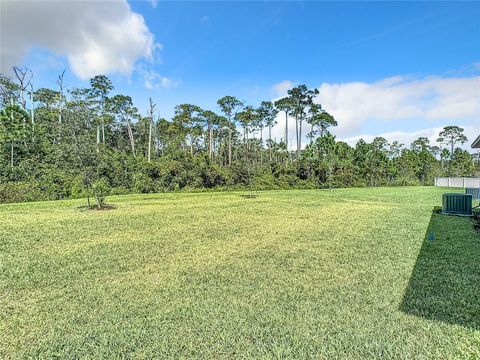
(101, 189)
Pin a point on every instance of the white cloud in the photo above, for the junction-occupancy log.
(154, 3)
(96, 37)
(407, 138)
(401, 98)
(404, 137)
(153, 80)
(430, 102)
(282, 87)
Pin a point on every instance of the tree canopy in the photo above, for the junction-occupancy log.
(69, 142)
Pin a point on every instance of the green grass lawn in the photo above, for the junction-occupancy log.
(291, 274)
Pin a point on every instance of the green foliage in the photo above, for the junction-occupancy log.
(15, 128)
(55, 185)
(142, 183)
(212, 176)
(78, 137)
(79, 188)
(100, 189)
(21, 191)
(451, 135)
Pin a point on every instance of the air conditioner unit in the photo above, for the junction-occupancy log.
(457, 204)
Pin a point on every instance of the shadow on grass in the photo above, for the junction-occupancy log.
(445, 282)
(104, 207)
(249, 196)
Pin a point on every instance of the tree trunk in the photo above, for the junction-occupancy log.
(11, 154)
(270, 142)
(229, 146)
(150, 141)
(60, 110)
(103, 131)
(296, 133)
(98, 201)
(286, 129)
(300, 137)
(32, 111)
(210, 141)
(130, 135)
(261, 145)
(299, 141)
(11, 118)
(151, 110)
(98, 136)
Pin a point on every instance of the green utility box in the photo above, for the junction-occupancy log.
(457, 204)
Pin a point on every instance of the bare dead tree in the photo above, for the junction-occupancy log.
(32, 107)
(130, 136)
(60, 88)
(160, 145)
(12, 141)
(150, 120)
(24, 77)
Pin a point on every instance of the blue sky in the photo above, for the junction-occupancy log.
(400, 69)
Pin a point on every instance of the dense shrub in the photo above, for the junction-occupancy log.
(20, 192)
(142, 183)
(212, 175)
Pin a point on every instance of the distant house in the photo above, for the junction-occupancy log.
(476, 143)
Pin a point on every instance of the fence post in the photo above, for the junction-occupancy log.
(448, 181)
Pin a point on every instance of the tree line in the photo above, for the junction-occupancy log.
(82, 142)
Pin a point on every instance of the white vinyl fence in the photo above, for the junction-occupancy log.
(458, 182)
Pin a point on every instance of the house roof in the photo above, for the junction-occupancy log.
(476, 143)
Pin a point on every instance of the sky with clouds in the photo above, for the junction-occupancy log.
(396, 69)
